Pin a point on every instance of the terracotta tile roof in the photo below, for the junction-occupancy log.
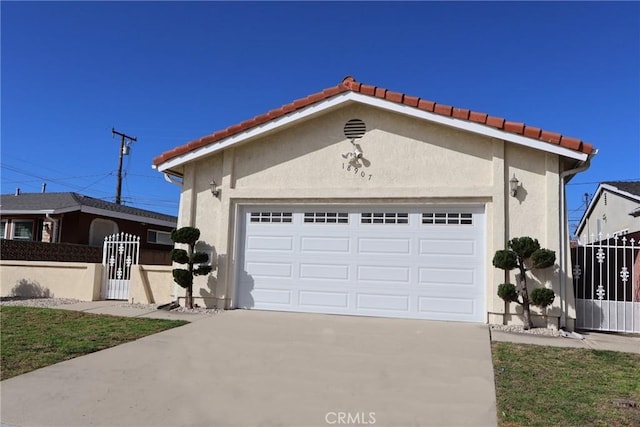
(349, 84)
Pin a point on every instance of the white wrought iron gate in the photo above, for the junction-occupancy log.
(606, 277)
(119, 253)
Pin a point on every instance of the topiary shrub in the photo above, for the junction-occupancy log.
(193, 260)
(522, 249)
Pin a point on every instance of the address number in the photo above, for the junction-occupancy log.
(357, 171)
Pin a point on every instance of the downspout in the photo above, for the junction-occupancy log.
(54, 232)
(172, 179)
(564, 234)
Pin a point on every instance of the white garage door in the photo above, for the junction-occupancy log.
(425, 263)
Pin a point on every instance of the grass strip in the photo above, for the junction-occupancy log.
(555, 386)
(33, 338)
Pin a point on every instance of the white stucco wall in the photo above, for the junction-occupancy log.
(411, 161)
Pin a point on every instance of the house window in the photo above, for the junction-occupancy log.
(447, 218)
(384, 218)
(326, 217)
(3, 231)
(22, 229)
(159, 237)
(271, 217)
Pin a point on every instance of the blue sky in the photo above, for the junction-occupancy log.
(170, 72)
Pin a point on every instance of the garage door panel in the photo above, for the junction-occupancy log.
(324, 271)
(439, 276)
(398, 303)
(335, 300)
(384, 274)
(325, 245)
(446, 305)
(273, 296)
(398, 266)
(449, 247)
(270, 243)
(385, 246)
(269, 269)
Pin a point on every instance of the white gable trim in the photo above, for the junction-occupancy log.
(596, 199)
(348, 97)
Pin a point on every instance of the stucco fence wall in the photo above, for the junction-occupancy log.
(150, 284)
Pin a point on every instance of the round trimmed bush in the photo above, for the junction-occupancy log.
(189, 235)
(543, 258)
(524, 246)
(180, 256)
(505, 260)
(508, 292)
(542, 297)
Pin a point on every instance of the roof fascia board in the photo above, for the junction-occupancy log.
(126, 216)
(347, 97)
(274, 124)
(39, 211)
(475, 128)
(620, 192)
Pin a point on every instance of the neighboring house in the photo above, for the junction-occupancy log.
(75, 218)
(614, 211)
(363, 201)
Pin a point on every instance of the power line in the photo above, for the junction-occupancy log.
(53, 180)
(600, 182)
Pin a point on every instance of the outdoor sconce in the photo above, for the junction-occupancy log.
(513, 185)
(214, 188)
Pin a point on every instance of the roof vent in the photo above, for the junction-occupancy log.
(354, 129)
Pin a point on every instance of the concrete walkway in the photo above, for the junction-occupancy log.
(256, 368)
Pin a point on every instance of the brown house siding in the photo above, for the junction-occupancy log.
(76, 227)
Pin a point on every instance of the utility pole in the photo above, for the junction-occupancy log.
(124, 149)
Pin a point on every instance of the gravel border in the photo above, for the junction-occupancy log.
(53, 302)
(37, 302)
(181, 309)
(520, 330)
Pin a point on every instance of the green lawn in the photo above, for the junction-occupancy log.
(33, 338)
(552, 386)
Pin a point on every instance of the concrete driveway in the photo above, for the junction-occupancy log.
(256, 368)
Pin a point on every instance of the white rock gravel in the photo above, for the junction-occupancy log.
(175, 310)
(521, 330)
(52, 302)
(37, 302)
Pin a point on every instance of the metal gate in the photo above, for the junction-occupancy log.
(119, 253)
(606, 278)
